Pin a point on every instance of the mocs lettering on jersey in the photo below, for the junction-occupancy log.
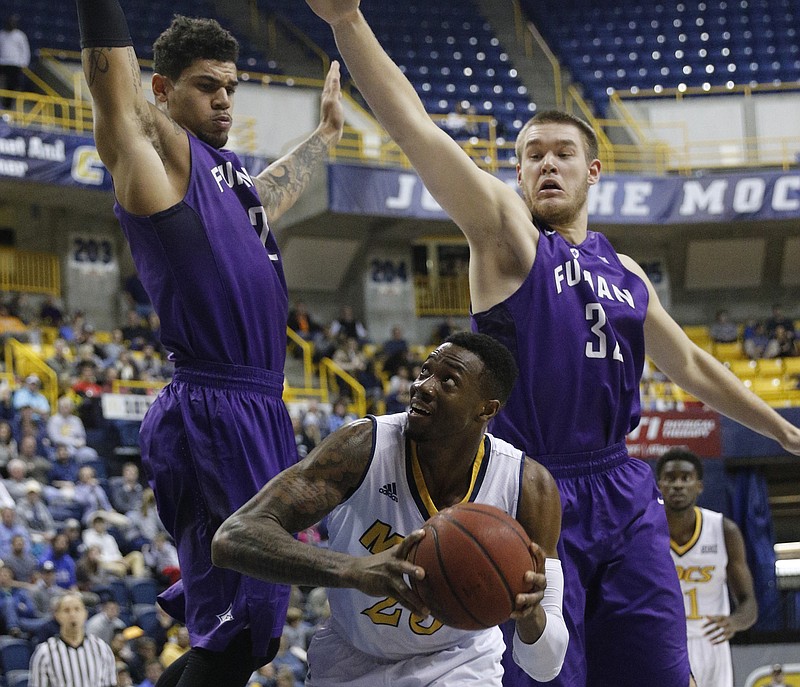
(379, 537)
(226, 175)
(571, 274)
(695, 573)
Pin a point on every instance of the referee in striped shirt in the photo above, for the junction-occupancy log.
(71, 658)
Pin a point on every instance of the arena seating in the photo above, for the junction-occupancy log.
(447, 50)
(55, 25)
(623, 44)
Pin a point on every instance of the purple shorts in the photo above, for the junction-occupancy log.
(622, 600)
(214, 437)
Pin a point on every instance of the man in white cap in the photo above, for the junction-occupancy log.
(30, 394)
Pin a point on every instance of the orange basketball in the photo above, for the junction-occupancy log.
(475, 557)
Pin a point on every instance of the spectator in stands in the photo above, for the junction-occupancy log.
(755, 340)
(126, 367)
(36, 465)
(61, 363)
(17, 606)
(175, 649)
(303, 442)
(114, 347)
(6, 399)
(16, 483)
(10, 527)
(296, 630)
(127, 490)
(73, 532)
(303, 323)
(286, 658)
(71, 326)
(15, 56)
(394, 351)
(124, 678)
(782, 344)
(161, 557)
(21, 561)
(351, 359)
(106, 621)
(63, 563)
(10, 326)
(46, 588)
(779, 319)
(723, 330)
(89, 493)
(33, 512)
(346, 326)
(6, 500)
(91, 576)
(339, 416)
(66, 428)
(135, 331)
(398, 394)
(8, 444)
(51, 313)
(30, 394)
(64, 472)
(150, 362)
(315, 422)
(442, 330)
(111, 558)
(153, 671)
(776, 677)
(27, 423)
(325, 345)
(144, 522)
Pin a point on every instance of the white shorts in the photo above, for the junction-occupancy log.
(334, 662)
(711, 663)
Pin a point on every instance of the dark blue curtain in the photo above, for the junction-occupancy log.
(750, 510)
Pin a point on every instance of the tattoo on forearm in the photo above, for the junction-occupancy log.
(98, 63)
(287, 179)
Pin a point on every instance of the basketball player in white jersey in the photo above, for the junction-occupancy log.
(709, 554)
(380, 478)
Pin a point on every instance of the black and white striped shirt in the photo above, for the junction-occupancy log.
(55, 663)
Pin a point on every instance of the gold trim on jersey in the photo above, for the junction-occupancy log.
(419, 479)
(698, 527)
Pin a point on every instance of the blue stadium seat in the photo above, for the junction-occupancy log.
(146, 617)
(17, 678)
(141, 590)
(15, 654)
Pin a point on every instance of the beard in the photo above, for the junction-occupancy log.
(214, 140)
(558, 213)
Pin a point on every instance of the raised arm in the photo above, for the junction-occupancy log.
(127, 128)
(477, 201)
(705, 377)
(281, 184)
(257, 539)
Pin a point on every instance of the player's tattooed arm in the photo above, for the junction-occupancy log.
(257, 540)
(281, 184)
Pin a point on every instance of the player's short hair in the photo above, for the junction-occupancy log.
(559, 117)
(188, 39)
(680, 454)
(500, 369)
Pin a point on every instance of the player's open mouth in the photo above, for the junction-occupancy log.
(418, 409)
(549, 186)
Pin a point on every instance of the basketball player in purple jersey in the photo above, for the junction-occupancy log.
(579, 318)
(196, 222)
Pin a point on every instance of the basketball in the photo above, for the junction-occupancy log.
(475, 557)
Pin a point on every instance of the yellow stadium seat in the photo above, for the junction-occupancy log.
(728, 351)
(698, 333)
(743, 369)
(791, 366)
(766, 386)
(770, 367)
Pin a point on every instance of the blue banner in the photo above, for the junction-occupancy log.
(64, 159)
(616, 199)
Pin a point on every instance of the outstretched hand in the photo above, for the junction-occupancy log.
(383, 574)
(331, 116)
(333, 11)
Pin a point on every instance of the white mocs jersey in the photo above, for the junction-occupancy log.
(391, 502)
(701, 564)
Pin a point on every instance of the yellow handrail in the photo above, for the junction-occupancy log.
(308, 351)
(331, 372)
(22, 361)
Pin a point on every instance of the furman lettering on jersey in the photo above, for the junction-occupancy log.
(230, 177)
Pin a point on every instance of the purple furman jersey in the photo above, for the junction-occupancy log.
(205, 267)
(219, 431)
(575, 327)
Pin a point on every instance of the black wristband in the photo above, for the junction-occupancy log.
(102, 24)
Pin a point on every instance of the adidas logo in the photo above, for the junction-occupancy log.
(390, 489)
